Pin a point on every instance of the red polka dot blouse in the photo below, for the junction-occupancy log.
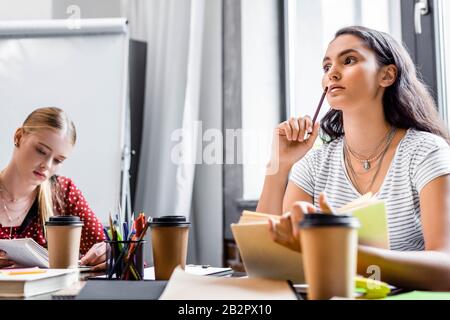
(73, 203)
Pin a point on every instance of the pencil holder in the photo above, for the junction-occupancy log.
(125, 260)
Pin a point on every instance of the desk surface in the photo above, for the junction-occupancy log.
(151, 289)
(72, 291)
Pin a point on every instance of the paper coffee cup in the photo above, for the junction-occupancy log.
(329, 249)
(63, 241)
(169, 244)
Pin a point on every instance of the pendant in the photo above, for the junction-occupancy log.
(366, 165)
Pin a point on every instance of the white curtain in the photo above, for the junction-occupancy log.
(174, 32)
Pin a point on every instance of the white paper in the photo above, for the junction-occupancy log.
(25, 252)
(183, 285)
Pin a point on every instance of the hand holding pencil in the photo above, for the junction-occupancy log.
(295, 128)
(293, 138)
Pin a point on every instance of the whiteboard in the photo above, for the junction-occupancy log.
(83, 71)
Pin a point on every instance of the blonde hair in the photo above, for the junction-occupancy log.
(54, 119)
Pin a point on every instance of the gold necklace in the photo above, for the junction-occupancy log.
(27, 207)
(19, 209)
(11, 220)
(11, 198)
(7, 211)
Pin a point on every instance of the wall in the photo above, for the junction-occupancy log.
(57, 9)
(25, 9)
(88, 8)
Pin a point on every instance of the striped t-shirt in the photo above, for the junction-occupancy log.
(419, 158)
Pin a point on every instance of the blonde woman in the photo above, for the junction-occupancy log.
(31, 191)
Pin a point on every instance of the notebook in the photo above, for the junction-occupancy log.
(203, 270)
(420, 295)
(183, 285)
(20, 283)
(371, 213)
(262, 257)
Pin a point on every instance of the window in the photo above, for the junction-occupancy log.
(310, 27)
(442, 27)
(263, 84)
(261, 102)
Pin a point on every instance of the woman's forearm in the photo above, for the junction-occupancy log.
(271, 200)
(426, 270)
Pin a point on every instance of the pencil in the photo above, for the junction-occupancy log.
(319, 106)
(316, 114)
(15, 273)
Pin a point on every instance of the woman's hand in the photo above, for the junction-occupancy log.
(4, 261)
(95, 257)
(286, 231)
(324, 205)
(289, 144)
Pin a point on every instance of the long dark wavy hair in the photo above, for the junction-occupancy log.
(407, 103)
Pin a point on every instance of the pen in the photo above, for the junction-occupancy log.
(106, 234)
(125, 230)
(131, 235)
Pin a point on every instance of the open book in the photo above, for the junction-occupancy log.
(28, 253)
(183, 285)
(25, 252)
(371, 213)
(262, 257)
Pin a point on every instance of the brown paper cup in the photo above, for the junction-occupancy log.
(63, 241)
(329, 248)
(169, 244)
